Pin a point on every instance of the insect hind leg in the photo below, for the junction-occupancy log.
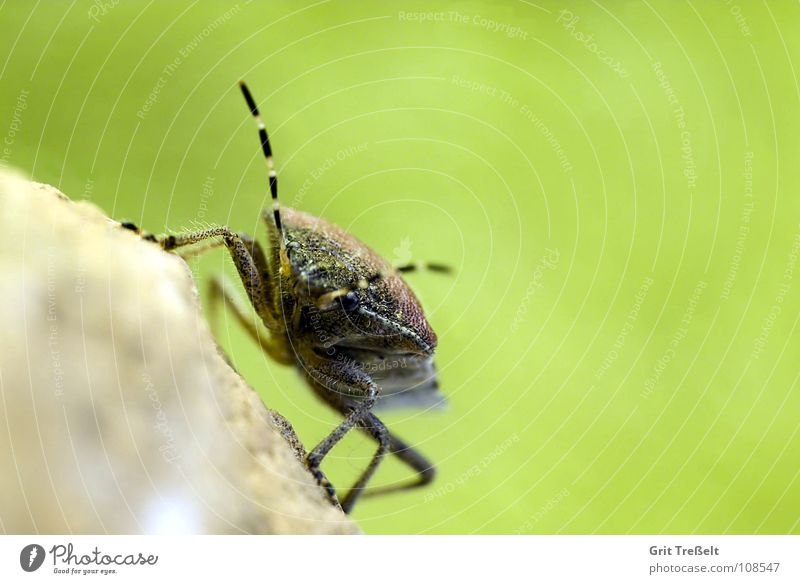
(375, 428)
(349, 390)
(426, 472)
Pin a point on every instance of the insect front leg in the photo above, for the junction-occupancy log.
(264, 269)
(375, 428)
(353, 390)
(243, 259)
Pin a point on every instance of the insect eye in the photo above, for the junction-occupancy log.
(349, 301)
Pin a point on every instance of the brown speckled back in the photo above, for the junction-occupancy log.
(326, 257)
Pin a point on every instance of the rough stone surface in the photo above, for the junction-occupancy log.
(117, 413)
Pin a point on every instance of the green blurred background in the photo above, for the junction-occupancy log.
(615, 183)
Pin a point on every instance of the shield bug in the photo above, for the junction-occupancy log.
(342, 315)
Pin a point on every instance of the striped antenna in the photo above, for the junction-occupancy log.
(273, 176)
(418, 266)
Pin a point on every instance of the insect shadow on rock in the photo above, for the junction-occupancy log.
(341, 314)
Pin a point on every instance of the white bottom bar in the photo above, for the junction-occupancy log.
(403, 559)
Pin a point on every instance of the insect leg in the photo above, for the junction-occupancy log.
(271, 293)
(242, 259)
(287, 431)
(198, 250)
(221, 292)
(412, 458)
(375, 428)
(130, 226)
(347, 385)
(314, 458)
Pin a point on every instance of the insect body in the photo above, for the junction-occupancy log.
(341, 314)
